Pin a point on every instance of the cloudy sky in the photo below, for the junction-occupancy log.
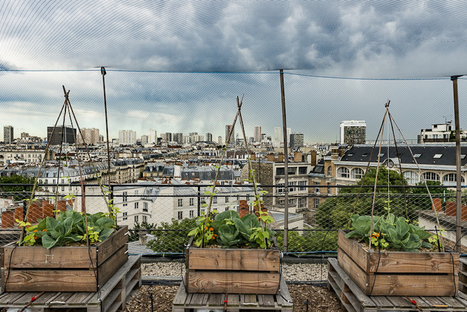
(178, 65)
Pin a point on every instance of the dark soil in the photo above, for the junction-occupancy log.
(304, 297)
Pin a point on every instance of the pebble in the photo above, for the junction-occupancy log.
(296, 272)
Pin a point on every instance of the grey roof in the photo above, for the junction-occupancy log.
(427, 154)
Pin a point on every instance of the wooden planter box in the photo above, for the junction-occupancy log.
(393, 273)
(66, 269)
(232, 271)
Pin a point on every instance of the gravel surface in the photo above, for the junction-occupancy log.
(305, 297)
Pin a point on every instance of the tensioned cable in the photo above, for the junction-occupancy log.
(265, 72)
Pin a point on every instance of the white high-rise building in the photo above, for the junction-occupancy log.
(126, 137)
(91, 136)
(277, 136)
(152, 137)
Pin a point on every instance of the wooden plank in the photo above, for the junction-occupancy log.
(364, 300)
(116, 278)
(266, 300)
(398, 285)
(216, 300)
(265, 260)
(233, 300)
(67, 257)
(232, 282)
(108, 247)
(107, 269)
(199, 299)
(62, 280)
(452, 302)
(38, 257)
(382, 302)
(284, 294)
(80, 299)
(249, 300)
(353, 249)
(180, 297)
(401, 302)
(398, 262)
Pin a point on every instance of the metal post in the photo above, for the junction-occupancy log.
(286, 166)
(103, 72)
(458, 165)
(199, 200)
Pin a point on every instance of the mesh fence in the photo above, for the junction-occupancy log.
(160, 216)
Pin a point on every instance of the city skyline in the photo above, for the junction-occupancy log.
(179, 66)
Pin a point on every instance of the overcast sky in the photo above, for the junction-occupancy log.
(178, 65)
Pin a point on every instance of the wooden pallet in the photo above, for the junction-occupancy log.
(111, 297)
(184, 302)
(353, 299)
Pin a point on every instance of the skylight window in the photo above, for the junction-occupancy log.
(463, 156)
(350, 155)
(417, 155)
(438, 156)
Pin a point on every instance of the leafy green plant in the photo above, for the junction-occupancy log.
(68, 227)
(389, 232)
(227, 229)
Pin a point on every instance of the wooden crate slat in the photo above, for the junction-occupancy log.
(233, 300)
(180, 297)
(398, 262)
(234, 259)
(107, 248)
(398, 284)
(362, 298)
(395, 303)
(232, 282)
(38, 280)
(68, 257)
(107, 269)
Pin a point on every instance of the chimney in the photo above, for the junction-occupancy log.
(280, 157)
(271, 157)
(314, 156)
(297, 157)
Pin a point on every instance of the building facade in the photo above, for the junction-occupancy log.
(61, 135)
(352, 132)
(8, 134)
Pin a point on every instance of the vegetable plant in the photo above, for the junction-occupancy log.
(68, 227)
(389, 232)
(228, 230)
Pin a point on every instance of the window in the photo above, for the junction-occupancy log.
(316, 188)
(226, 199)
(145, 219)
(329, 171)
(180, 202)
(302, 185)
(451, 179)
(357, 173)
(302, 170)
(280, 188)
(280, 171)
(125, 196)
(136, 192)
(214, 200)
(180, 215)
(411, 177)
(192, 214)
(136, 205)
(343, 172)
(292, 202)
(437, 156)
(329, 189)
(125, 216)
(291, 188)
(302, 203)
(292, 170)
(417, 155)
(192, 201)
(136, 219)
(315, 203)
(145, 207)
(430, 176)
